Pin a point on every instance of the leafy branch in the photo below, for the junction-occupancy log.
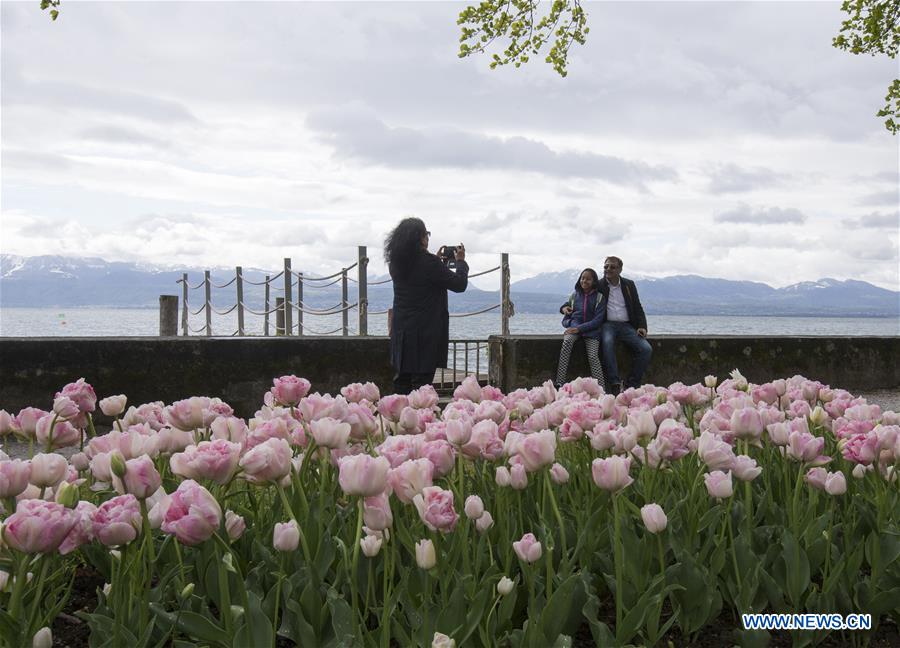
(54, 12)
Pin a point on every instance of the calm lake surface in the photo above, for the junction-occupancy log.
(90, 322)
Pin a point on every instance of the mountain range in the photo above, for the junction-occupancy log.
(57, 281)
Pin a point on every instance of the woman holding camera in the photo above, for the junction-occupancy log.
(420, 328)
(583, 315)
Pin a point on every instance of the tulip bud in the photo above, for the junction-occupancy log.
(370, 545)
(186, 591)
(117, 464)
(654, 518)
(113, 405)
(474, 507)
(710, 381)
(818, 416)
(80, 461)
(518, 478)
(67, 495)
(559, 474)
(485, 522)
(234, 525)
(43, 638)
(836, 483)
(425, 556)
(859, 471)
(107, 589)
(441, 640)
(502, 476)
(505, 586)
(286, 536)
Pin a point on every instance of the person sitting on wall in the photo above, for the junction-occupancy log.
(420, 326)
(582, 318)
(623, 319)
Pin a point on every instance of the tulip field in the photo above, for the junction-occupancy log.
(541, 517)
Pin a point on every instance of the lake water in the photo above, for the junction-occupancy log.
(90, 322)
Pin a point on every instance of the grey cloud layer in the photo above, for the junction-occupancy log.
(760, 215)
(730, 178)
(364, 137)
(876, 220)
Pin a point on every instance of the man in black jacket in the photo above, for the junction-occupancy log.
(623, 320)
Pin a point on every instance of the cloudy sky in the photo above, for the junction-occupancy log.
(725, 139)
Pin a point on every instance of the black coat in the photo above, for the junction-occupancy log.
(420, 328)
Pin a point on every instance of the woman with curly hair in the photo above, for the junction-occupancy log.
(420, 328)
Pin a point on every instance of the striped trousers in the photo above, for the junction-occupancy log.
(592, 346)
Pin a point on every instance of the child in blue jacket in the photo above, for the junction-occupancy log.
(583, 316)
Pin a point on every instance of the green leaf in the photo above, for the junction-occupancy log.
(556, 612)
(257, 627)
(341, 619)
(194, 625)
(797, 569)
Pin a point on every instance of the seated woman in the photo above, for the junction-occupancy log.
(583, 316)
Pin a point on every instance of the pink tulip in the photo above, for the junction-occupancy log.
(113, 405)
(559, 474)
(286, 536)
(270, 461)
(746, 423)
(719, 484)
(484, 442)
(745, 468)
(357, 392)
(38, 526)
(65, 408)
(7, 423)
(330, 433)
(64, 433)
(14, 477)
(485, 522)
(528, 549)
(459, 431)
(642, 423)
(441, 454)
(611, 474)
(435, 506)
(803, 446)
(861, 448)
(362, 422)
(411, 478)
(363, 475)
(816, 477)
(188, 414)
(654, 518)
(26, 421)
(234, 525)
(779, 433)
(836, 483)
(141, 478)
(48, 469)
(538, 450)
(518, 477)
(377, 513)
(192, 513)
(490, 410)
(214, 460)
(425, 397)
(714, 452)
(468, 389)
(118, 521)
(289, 390)
(391, 406)
(229, 428)
(474, 507)
(82, 394)
(502, 476)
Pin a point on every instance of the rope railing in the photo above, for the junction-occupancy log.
(289, 306)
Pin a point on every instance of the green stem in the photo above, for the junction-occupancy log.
(559, 521)
(45, 560)
(278, 595)
(225, 594)
(287, 507)
(617, 540)
(353, 563)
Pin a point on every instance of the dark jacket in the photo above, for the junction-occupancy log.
(587, 313)
(420, 328)
(636, 316)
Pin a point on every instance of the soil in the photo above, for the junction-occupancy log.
(71, 632)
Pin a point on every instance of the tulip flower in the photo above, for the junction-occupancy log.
(745, 468)
(118, 521)
(286, 536)
(330, 433)
(82, 394)
(113, 405)
(505, 586)
(234, 525)
(719, 484)
(141, 478)
(441, 640)
(501, 476)
(803, 446)
(442, 456)
(38, 526)
(528, 549)
(377, 513)
(654, 518)
(714, 452)
(43, 638)
(474, 507)
(410, 478)
(710, 381)
(65, 408)
(191, 513)
(746, 423)
(214, 460)
(611, 474)
(425, 555)
(559, 474)
(48, 469)
(435, 506)
(370, 545)
(537, 450)
(14, 477)
(269, 461)
(485, 522)
(289, 390)
(836, 483)
(816, 477)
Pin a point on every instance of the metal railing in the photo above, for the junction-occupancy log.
(464, 355)
(290, 303)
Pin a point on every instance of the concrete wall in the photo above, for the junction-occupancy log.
(854, 363)
(237, 370)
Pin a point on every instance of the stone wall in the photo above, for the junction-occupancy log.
(854, 363)
(237, 370)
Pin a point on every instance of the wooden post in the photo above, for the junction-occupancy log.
(345, 316)
(505, 304)
(239, 283)
(288, 327)
(208, 289)
(266, 309)
(168, 315)
(279, 316)
(184, 305)
(362, 294)
(300, 305)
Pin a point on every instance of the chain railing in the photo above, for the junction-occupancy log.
(292, 308)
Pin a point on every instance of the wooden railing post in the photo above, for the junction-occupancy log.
(266, 309)
(362, 294)
(279, 315)
(184, 304)
(208, 290)
(168, 315)
(239, 283)
(288, 289)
